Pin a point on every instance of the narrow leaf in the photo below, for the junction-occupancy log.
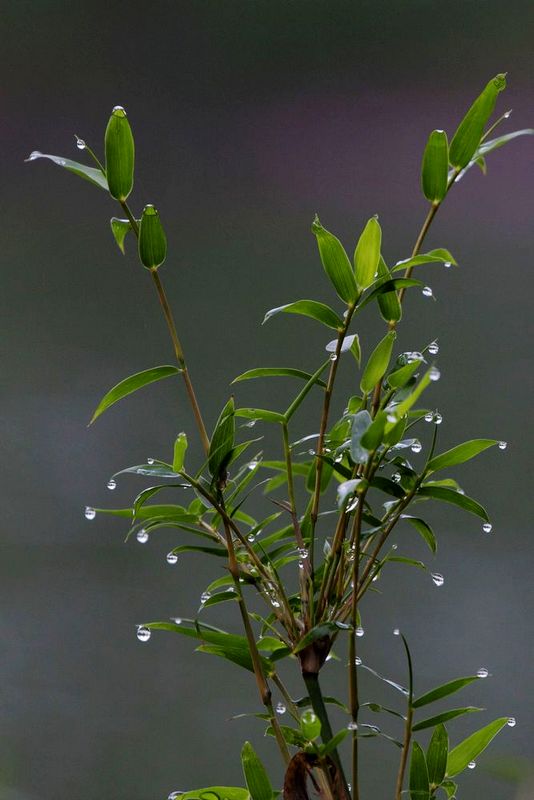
(434, 171)
(335, 262)
(378, 362)
(90, 174)
(388, 302)
(180, 446)
(360, 424)
(488, 145)
(367, 253)
(469, 133)
(425, 531)
(152, 239)
(460, 453)
(278, 372)
(419, 783)
(444, 717)
(255, 774)
(222, 441)
(260, 413)
(309, 308)
(120, 155)
(119, 229)
(132, 384)
(436, 755)
(438, 256)
(471, 747)
(454, 497)
(443, 691)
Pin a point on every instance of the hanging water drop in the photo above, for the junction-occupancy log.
(89, 512)
(471, 765)
(275, 603)
(176, 620)
(333, 357)
(503, 445)
(251, 537)
(429, 416)
(204, 597)
(438, 419)
(447, 264)
(511, 722)
(303, 552)
(507, 114)
(142, 536)
(487, 527)
(118, 108)
(301, 564)
(280, 708)
(172, 558)
(252, 465)
(80, 144)
(438, 578)
(416, 446)
(483, 672)
(396, 477)
(426, 291)
(352, 726)
(396, 632)
(150, 461)
(433, 348)
(359, 631)
(434, 374)
(357, 661)
(143, 634)
(112, 484)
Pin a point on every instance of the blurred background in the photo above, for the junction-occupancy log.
(249, 117)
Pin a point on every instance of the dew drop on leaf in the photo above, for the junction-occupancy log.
(352, 726)
(150, 461)
(142, 536)
(89, 512)
(172, 558)
(433, 348)
(143, 634)
(438, 419)
(471, 765)
(434, 374)
(80, 144)
(429, 416)
(396, 632)
(333, 357)
(483, 672)
(511, 722)
(438, 578)
(427, 291)
(487, 527)
(204, 597)
(416, 446)
(112, 484)
(360, 631)
(503, 445)
(280, 708)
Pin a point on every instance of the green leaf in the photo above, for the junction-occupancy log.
(419, 782)
(360, 424)
(278, 372)
(260, 413)
(388, 302)
(437, 256)
(470, 748)
(386, 286)
(367, 253)
(402, 408)
(454, 497)
(304, 391)
(444, 717)
(222, 441)
(152, 239)
(436, 755)
(120, 155)
(460, 453)
(335, 262)
(237, 655)
(469, 133)
(434, 171)
(309, 308)
(424, 529)
(334, 742)
(310, 725)
(255, 774)
(90, 174)
(372, 437)
(180, 446)
(355, 349)
(450, 788)
(132, 384)
(443, 691)
(401, 376)
(320, 632)
(488, 145)
(378, 362)
(291, 736)
(216, 793)
(119, 229)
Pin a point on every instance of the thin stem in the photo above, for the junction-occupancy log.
(404, 754)
(291, 706)
(353, 671)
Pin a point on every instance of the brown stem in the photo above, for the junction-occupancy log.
(404, 754)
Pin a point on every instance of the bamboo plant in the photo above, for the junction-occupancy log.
(296, 578)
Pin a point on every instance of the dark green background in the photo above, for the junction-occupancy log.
(249, 117)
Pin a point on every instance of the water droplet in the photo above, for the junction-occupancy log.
(447, 264)
(143, 634)
(80, 144)
(204, 597)
(333, 357)
(415, 355)
(512, 722)
(359, 631)
(507, 114)
(172, 558)
(396, 477)
(301, 564)
(89, 512)
(275, 603)
(433, 348)
(352, 726)
(252, 465)
(434, 374)
(394, 546)
(487, 527)
(250, 423)
(396, 632)
(416, 446)
(150, 461)
(112, 484)
(438, 419)
(118, 108)
(503, 445)
(438, 578)
(426, 291)
(311, 452)
(353, 505)
(142, 536)
(176, 620)
(349, 787)
(251, 537)
(357, 661)
(280, 708)
(391, 418)
(483, 672)
(35, 154)
(429, 416)
(471, 765)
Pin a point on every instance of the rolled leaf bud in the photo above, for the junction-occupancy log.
(152, 239)
(120, 155)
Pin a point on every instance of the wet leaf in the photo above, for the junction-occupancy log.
(437, 256)
(152, 239)
(443, 691)
(256, 777)
(367, 254)
(278, 372)
(180, 447)
(469, 133)
(119, 229)
(444, 717)
(470, 748)
(460, 454)
(419, 782)
(436, 755)
(132, 384)
(90, 174)
(336, 263)
(378, 362)
(309, 308)
(451, 496)
(120, 155)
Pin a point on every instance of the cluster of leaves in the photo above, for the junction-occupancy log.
(311, 567)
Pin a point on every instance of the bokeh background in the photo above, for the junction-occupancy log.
(249, 117)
